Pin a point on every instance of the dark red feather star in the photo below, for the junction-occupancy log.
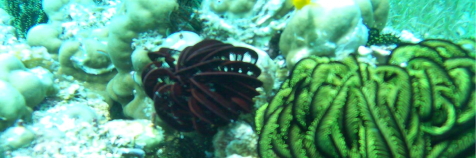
(210, 85)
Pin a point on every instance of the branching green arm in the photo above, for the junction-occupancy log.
(419, 104)
(26, 14)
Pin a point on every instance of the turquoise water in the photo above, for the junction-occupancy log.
(434, 19)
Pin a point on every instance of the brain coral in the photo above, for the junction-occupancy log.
(420, 103)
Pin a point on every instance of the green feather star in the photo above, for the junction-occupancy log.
(420, 103)
(26, 14)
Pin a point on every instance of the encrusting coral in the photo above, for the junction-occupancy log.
(253, 22)
(16, 137)
(86, 61)
(420, 103)
(308, 33)
(138, 16)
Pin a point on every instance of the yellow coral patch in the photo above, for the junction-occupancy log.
(301, 3)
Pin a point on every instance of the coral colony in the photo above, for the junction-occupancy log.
(237, 78)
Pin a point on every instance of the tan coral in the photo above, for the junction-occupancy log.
(86, 60)
(21, 89)
(139, 16)
(325, 28)
(374, 12)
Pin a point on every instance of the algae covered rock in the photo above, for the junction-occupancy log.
(420, 103)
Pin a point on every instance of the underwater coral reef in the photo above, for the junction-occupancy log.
(237, 78)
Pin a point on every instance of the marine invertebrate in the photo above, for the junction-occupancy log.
(26, 14)
(377, 38)
(411, 106)
(86, 60)
(17, 137)
(253, 22)
(185, 17)
(46, 35)
(122, 86)
(209, 85)
(302, 35)
(21, 89)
